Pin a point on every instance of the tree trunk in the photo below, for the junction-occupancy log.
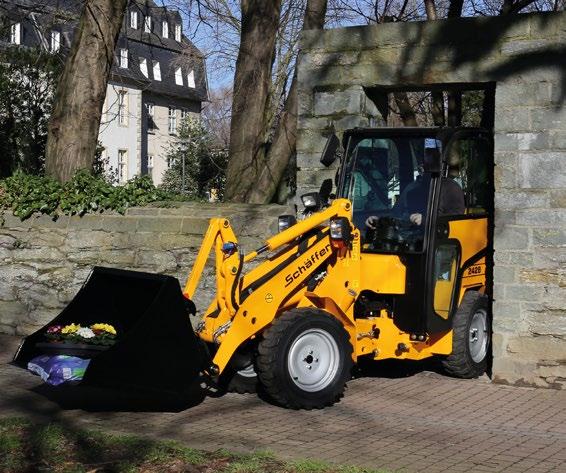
(73, 127)
(284, 144)
(248, 133)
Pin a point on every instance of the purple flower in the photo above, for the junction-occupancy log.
(54, 329)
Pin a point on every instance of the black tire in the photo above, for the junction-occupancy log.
(468, 360)
(314, 332)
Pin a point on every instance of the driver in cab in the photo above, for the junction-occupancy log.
(412, 202)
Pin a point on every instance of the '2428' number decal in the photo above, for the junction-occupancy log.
(474, 270)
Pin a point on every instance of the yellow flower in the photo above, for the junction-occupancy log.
(72, 328)
(104, 327)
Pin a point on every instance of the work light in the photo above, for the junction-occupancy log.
(311, 200)
(286, 221)
(340, 232)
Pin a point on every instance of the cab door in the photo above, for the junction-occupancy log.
(460, 251)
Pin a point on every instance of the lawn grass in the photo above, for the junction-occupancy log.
(25, 447)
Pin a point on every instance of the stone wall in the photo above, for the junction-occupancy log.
(524, 56)
(43, 262)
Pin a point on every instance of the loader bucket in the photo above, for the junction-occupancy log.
(156, 349)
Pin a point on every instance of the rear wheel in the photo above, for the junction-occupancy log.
(471, 340)
(305, 359)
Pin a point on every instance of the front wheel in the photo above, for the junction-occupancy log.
(471, 338)
(305, 359)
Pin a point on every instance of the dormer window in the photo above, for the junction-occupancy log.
(143, 66)
(156, 70)
(147, 24)
(134, 20)
(191, 79)
(55, 41)
(165, 29)
(16, 33)
(178, 32)
(178, 76)
(124, 58)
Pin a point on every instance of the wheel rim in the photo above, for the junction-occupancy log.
(478, 336)
(248, 371)
(313, 360)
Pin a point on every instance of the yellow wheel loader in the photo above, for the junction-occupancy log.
(394, 264)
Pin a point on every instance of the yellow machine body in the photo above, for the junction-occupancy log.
(240, 311)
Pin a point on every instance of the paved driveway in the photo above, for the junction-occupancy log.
(420, 422)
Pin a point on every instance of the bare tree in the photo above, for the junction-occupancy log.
(74, 124)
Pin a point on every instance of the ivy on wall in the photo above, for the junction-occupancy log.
(26, 194)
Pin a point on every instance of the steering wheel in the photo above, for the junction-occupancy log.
(392, 234)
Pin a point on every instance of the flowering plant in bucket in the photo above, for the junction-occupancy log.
(96, 334)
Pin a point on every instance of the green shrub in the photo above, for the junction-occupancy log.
(26, 194)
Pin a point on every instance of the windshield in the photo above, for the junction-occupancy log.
(385, 182)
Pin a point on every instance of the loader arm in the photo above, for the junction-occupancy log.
(266, 289)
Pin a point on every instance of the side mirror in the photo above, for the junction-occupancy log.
(329, 152)
(325, 190)
(432, 161)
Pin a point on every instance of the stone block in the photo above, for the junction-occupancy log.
(308, 161)
(558, 198)
(46, 221)
(520, 141)
(506, 316)
(351, 121)
(517, 93)
(537, 349)
(159, 224)
(512, 118)
(194, 226)
(88, 239)
(504, 274)
(504, 217)
(557, 140)
(86, 222)
(517, 199)
(324, 59)
(144, 211)
(524, 292)
(159, 261)
(549, 258)
(542, 218)
(539, 170)
(310, 141)
(549, 237)
(514, 258)
(546, 323)
(524, 46)
(511, 237)
(549, 118)
(119, 223)
(344, 102)
(12, 311)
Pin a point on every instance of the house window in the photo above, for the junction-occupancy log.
(170, 162)
(143, 66)
(184, 114)
(134, 20)
(16, 33)
(124, 58)
(150, 165)
(156, 70)
(150, 117)
(147, 24)
(191, 79)
(165, 29)
(178, 76)
(172, 121)
(55, 41)
(123, 108)
(123, 165)
(178, 32)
